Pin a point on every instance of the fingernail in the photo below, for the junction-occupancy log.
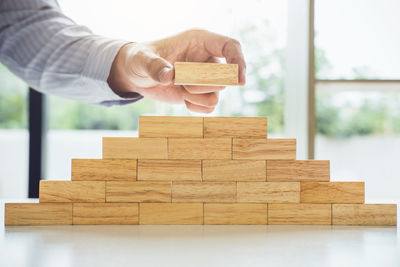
(164, 75)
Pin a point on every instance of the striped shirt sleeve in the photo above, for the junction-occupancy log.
(55, 55)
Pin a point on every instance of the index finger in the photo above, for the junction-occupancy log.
(222, 46)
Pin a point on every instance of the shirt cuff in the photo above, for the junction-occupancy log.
(98, 65)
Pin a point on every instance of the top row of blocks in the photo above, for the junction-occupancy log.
(199, 127)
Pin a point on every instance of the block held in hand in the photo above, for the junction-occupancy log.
(195, 73)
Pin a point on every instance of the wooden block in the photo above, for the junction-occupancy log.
(38, 213)
(169, 170)
(264, 148)
(168, 126)
(103, 170)
(298, 170)
(204, 192)
(72, 191)
(199, 148)
(196, 73)
(312, 170)
(134, 148)
(239, 127)
(171, 213)
(332, 192)
(268, 192)
(141, 191)
(364, 214)
(299, 213)
(235, 213)
(105, 213)
(234, 170)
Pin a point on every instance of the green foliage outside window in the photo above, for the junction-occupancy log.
(13, 101)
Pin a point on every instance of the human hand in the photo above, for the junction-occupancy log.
(147, 68)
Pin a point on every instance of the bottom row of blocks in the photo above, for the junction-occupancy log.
(199, 213)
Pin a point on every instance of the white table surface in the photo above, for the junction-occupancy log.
(145, 245)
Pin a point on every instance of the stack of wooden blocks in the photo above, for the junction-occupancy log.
(193, 170)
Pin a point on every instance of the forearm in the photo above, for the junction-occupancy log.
(54, 55)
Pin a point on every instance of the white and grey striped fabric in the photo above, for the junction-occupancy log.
(55, 55)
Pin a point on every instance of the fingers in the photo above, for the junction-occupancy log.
(222, 46)
(160, 70)
(209, 100)
(202, 103)
(232, 51)
(155, 67)
(198, 89)
(197, 108)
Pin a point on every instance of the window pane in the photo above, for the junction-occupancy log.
(357, 39)
(13, 136)
(259, 25)
(359, 131)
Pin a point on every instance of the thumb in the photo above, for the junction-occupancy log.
(160, 70)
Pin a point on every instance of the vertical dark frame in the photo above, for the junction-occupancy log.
(36, 140)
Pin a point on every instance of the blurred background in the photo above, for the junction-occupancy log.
(326, 72)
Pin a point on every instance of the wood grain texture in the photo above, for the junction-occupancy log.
(364, 214)
(299, 213)
(203, 191)
(72, 191)
(199, 148)
(169, 170)
(171, 213)
(168, 126)
(298, 170)
(235, 127)
(105, 213)
(234, 170)
(235, 213)
(196, 73)
(140, 191)
(134, 148)
(38, 213)
(103, 170)
(264, 148)
(268, 192)
(332, 192)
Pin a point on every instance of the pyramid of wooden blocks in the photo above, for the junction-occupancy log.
(193, 170)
